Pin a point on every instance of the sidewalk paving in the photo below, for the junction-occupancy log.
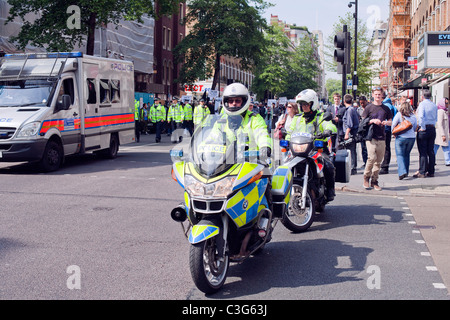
(427, 199)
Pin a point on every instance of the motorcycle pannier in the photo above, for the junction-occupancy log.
(343, 165)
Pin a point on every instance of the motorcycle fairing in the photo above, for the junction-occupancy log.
(245, 205)
(190, 169)
(281, 180)
(201, 233)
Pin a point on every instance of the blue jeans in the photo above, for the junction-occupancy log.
(446, 151)
(403, 147)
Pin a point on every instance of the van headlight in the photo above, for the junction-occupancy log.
(29, 130)
(219, 189)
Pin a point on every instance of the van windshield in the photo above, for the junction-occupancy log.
(24, 92)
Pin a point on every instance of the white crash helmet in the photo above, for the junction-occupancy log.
(232, 91)
(309, 96)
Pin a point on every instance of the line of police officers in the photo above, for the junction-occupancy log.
(177, 116)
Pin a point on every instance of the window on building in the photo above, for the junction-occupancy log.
(164, 39)
(169, 39)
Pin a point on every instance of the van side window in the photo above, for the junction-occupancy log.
(67, 88)
(92, 93)
(105, 91)
(115, 91)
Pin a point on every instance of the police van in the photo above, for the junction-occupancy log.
(57, 104)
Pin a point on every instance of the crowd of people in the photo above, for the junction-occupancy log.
(428, 128)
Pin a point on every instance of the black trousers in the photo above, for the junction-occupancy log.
(387, 152)
(425, 144)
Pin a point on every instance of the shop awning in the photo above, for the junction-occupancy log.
(434, 81)
(415, 84)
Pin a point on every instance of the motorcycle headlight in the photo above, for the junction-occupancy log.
(219, 189)
(300, 148)
(29, 130)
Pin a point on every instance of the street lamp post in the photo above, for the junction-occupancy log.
(355, 73)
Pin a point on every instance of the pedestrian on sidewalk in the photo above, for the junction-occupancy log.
(350, 126)
(381, 116)
(442, 130)
(388, 131)
(362, 105)
(404, 142)
(426, 135)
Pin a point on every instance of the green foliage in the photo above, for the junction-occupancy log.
(333, 85)
(51, 30)
(220, 28)
(364, 61)
(285, 70)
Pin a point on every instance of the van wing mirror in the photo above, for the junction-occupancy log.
(64, 103)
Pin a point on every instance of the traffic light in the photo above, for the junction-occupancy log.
(342, 51)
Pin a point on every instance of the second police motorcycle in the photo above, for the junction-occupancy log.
(314, 166)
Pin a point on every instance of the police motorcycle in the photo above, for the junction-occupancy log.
(304, 157)
(227, 214)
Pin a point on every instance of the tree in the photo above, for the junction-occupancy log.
(364, 61)
(52, 28)
(285, 70)
(333, 85)
(220, 28)
(271, 72)
(302, 68)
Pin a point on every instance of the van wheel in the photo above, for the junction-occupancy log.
(113, 150)
(52, 158)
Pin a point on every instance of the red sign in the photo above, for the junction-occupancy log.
(384, 74)
(195, 88)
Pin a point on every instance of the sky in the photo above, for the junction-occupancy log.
(323, 14)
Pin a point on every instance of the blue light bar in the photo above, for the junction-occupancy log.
(45, 55)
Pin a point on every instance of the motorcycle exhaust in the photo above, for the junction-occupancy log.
(179, 213)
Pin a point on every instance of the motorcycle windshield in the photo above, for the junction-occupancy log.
(218, 143)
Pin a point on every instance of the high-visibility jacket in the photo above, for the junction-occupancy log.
(175, 113)
(136, 109)
(253, 129)
(313, 127)
(159, 114)
(200, 112)
(187, 112)
(152, 114)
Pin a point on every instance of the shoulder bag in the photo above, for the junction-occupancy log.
(402, 127)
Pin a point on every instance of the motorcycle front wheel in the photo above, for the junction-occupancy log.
(208, 270)
(295, 218)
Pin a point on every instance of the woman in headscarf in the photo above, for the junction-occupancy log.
(442, 130)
